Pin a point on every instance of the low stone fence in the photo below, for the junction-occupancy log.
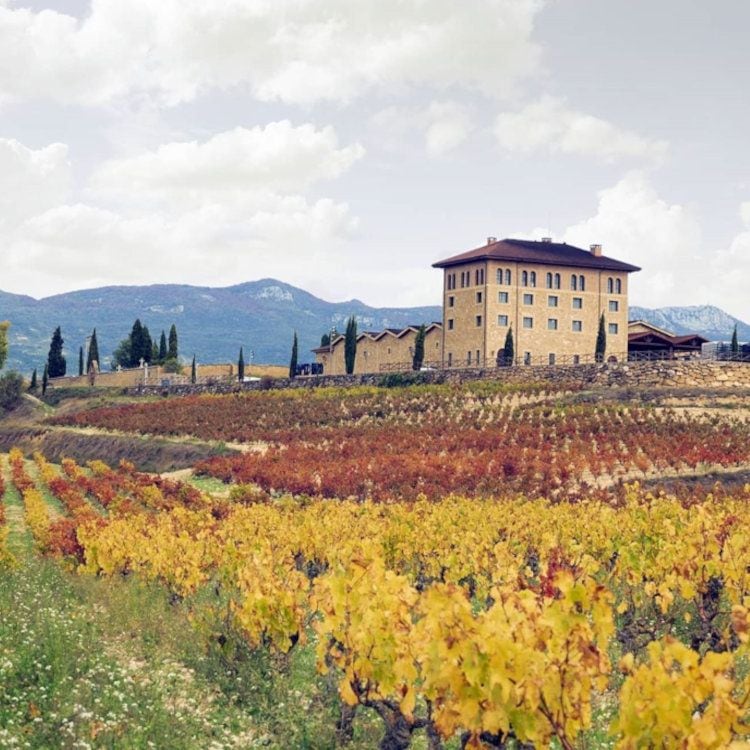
(676, 373)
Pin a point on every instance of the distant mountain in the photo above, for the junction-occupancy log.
(707, 320)
(213, 323)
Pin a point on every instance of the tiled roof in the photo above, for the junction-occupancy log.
(547, 253)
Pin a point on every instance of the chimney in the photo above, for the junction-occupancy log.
(491, 240)
(547, 239)
(596, 251)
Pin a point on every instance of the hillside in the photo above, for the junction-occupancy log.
(707, 320)
(212, 322)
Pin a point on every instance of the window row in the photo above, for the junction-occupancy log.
(463, 279)
(614, 286)
(503, 277)
(553, 324)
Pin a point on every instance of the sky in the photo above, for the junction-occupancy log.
(346, 145)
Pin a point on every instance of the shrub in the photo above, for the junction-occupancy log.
(402, 379)
(11, 387)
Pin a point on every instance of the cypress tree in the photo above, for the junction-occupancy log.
(80, 360)
(148, 346)
(507, 355)
(162, 348)
(136, 344)
(172, 352)
(4, 326)
(93, 353)
(56, 365)
(293, 361)
(154, 353)
(734, 347)
(325, 340)
(193, 377)
(45, 379)
(241, 367)
(418, 358)
(33, 384)
(350, 345)
(601, 341)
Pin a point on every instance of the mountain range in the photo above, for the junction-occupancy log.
(260, 316)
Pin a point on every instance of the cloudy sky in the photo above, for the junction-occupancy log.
(345, 145)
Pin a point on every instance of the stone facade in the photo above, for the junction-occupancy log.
(552, 308)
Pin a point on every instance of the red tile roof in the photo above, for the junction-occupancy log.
(529, 251)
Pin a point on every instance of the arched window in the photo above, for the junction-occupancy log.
(532, 278)
(610, 285)
(618, 286)
(581, 283)
(499, 275)
(574, 283)
(557, 281)
(549, 281)
(507, 276)
(524, 278)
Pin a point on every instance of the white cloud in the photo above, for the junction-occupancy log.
(550, 124)
(449, 126)
(745, 212)
(637, 226)
(295, 51)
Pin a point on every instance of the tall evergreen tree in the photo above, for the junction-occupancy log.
(350, 345)
(80, 360)
(33, 384)
(734, 347)
(241, 367)
(418, 356)
(325, 340)
(4, 326)
(93, 353)
(506, 356)
(193, 374)
(148, 346)
(601, 341)
(162, 348)
(56, 364)
(293, 360)
(154, 353)
(172, 352)
(45, 379)
(136, 345)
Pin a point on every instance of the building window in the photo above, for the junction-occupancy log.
(574, 283)
(468, 358)
(476, 277)
(578, 303)
(610, 285)
(612, 328)
(524, 278)
(450, 328)
(551, 359)
(499, 276)
(551, 324)
(576, 359)
(450, 358)
(507, 276)
(552, 300)
(614, 305)
(478, 362)
(528, 299)
(479, 298)
(502, 320)
(577, 326)
(581, 283)
(502, 297)
(451, 301)
(557, 281)
(479, 320)
(528, 322)
(549, 281)
(527, 358)
(618, 286)
(532, 278)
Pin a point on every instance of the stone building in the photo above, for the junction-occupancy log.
(551, 294)
(380, 351)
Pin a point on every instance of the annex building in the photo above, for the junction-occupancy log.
(551, 294)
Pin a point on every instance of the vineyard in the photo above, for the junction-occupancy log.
(434, 567)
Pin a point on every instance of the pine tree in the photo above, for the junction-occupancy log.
(56, 364)
(734, 347)
(172, 352)
(350, 345)
(33, 384)
(418, 357)
(193, 375)
(293, 361)
(4, 326)
(325, 340)
(93, 356)
(45, 379)
(601, 341)
(241, 367)
(162, 348)
(80, 361)
(507, 355)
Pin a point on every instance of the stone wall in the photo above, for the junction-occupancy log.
(680, 374)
